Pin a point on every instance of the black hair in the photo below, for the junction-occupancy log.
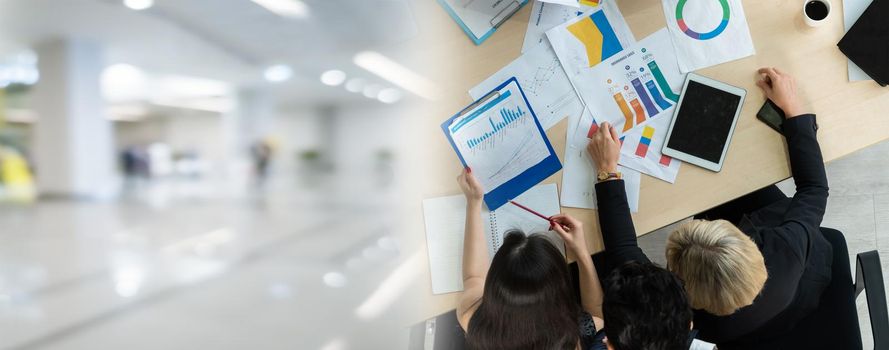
(646, 308)
(528, 302)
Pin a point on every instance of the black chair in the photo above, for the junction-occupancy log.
(834, 325)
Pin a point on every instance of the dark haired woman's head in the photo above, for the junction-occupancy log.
(528, 302)
(645, 308)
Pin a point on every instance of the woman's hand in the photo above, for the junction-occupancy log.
(471, 187)
(604, 148)
(781, 89)
(571, 231)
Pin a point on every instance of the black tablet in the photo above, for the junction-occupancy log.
(704, 121)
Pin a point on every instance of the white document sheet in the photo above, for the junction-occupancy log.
(707, 33)
(579, 175)
(499, 139)
(445, 224)
(636, 91)
(544, 82)
(572, 3)
(852, 9)
(583, 42)
(545, 16)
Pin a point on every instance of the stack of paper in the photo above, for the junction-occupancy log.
(445, 225)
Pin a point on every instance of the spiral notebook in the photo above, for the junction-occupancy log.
(445, 223)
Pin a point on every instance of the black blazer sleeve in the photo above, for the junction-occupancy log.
(618, 233)
(806, 209)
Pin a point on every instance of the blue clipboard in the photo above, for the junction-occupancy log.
(496, 197)
(495, 22)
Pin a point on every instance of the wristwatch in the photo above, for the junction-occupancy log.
(604, 175)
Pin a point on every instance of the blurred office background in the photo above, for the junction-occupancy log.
(191, 174)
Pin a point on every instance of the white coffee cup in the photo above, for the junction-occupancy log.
(817, 11)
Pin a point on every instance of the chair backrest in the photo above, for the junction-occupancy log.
(869, 278)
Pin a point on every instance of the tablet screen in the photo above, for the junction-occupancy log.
(703, 122)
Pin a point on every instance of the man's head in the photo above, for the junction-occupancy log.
(722, 268)
(645, 308)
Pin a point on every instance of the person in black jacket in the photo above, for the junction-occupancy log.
(752, 267)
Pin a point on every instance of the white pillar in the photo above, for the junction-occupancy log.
(73, 141)
(256, 115)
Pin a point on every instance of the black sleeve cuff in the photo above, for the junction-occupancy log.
(611, 188)
(803, 123)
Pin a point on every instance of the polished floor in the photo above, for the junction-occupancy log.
(294, 269)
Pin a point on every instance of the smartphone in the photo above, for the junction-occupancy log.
(771, 115)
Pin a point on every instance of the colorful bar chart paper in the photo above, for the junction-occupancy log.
(593, 128)
(642, 149)
(649, 106)
(658, 98)
(640, 113)
(622, 104)
(665, 160)
(662, 81)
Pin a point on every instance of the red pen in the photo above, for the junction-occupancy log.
(547, 218)
(531, 211)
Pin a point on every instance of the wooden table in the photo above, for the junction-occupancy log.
(851, 116)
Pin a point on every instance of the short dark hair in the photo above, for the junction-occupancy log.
(645, 308)
(528, 301)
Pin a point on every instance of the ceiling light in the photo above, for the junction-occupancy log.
(335, 279)
(397, 74)
(333, 77)
(355, 85)
(123, 82)
(285, 8)
(371, 91)
(138, 5)
(278, 73)
(389, 95)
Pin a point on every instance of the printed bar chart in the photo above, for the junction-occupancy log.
(642, 149)
(593, 128)
(649, 106)
(508, 117)
(640, 113)
(622, 104)
(662, 81)
(658, 98)
(665, 161)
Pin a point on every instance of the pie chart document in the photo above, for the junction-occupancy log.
(707, 32)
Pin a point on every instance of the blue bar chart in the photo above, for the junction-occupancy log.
(507, 117)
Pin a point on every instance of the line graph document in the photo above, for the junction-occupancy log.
(545, 84)
(499, 139)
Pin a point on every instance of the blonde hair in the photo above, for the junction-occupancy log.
(722, 268)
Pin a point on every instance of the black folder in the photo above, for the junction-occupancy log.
(867, 42)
